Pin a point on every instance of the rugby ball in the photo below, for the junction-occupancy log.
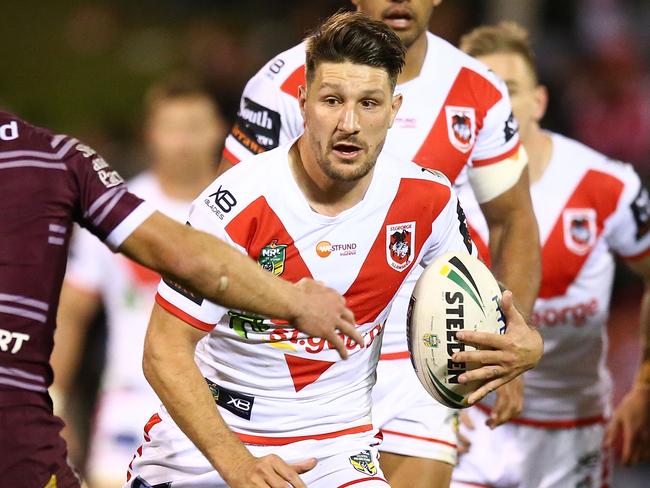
(455, 292)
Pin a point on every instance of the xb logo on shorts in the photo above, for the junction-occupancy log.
(363, 463)
(272, 257)
(220, 202)
(399, 245)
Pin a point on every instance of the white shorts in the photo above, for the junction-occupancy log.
(170, 459)
(515, 455)
(411, 421)
(117, 431)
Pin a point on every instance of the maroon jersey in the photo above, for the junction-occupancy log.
(47, 182)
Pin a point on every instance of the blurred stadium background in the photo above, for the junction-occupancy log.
(82, 67)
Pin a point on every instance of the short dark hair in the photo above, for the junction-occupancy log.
(507, 37)
(356, 38)
(175, 86)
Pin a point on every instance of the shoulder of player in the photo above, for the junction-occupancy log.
(280, 69)
(235, 190)
(423, 181)
(589, 159)
(17, 134)
(477, 76)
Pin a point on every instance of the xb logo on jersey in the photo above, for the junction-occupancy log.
(579, 229)
(399, 245)
(461, 125)
(272, 257)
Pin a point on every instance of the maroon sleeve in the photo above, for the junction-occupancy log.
(104, 200)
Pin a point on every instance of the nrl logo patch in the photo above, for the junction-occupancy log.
(363, 463)
(399, 245)
(272, 257)
(579, 229)
(431, 340)
(461, 127)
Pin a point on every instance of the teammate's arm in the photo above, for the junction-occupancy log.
(168, 364)
(631, 419)
(514, 242)
(223, 275)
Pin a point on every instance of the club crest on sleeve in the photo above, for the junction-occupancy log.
(272, 257)
(579, 229)
(400, 239)
(461, 127)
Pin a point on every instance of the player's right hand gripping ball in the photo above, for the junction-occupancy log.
(456, 292)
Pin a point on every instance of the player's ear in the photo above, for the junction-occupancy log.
(355, 3)
(302, 98)
(395, 105)
(541, 102)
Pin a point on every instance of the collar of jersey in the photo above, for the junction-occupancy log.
(301, 205)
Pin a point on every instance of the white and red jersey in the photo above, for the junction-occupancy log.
(276, 385)
(587, 208)
(455, 114)
(126, 288)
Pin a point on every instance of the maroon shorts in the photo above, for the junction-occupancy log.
(31, 449)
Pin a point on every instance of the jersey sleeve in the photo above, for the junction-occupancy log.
(269, 113)
(498, 157)
(628, 230)
(104, 206)
(449, 232)
(182, 303)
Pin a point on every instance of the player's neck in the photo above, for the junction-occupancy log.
(325, 195)
(539, 147)
(415, 55)
(183, 184)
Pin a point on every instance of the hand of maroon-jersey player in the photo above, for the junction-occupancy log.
(504, 357)
(323, 313)
(631, 424)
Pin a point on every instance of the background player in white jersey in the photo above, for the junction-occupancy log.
(455, 118)
(587, 207)
(183, 130)
(328, 192)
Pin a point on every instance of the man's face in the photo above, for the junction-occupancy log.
(184, 131)
(347, 109)
(408, 18)
(527, 97)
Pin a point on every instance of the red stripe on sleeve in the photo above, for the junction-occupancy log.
(180, 314)
(486, 162)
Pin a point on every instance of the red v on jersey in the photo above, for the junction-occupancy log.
(305, 371)
(560, 265)
(295, 80)
(256, 227)
(437, 151)
(371, 291)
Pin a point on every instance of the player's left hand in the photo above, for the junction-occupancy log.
(631, 420)
(509, 403)
(504, 357)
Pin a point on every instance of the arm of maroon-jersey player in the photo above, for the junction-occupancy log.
(220, 273)
(631, 419)
(168, 364)
(514, 246)
(503, 357)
